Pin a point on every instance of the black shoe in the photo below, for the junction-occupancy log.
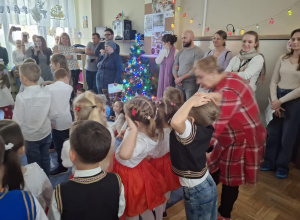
(58, 171)
(165, 214)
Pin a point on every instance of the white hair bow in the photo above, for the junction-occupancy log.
(9, 146)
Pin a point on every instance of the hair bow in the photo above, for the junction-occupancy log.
(9, 146)
(173, 104)
(77, 109)
(133, 112)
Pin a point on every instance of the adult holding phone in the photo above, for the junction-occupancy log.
(109, 35)
(25, 43)
(91, 63)
(41, 54)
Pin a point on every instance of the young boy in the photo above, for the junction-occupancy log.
(92, 193)
(60, 99)
(33, 112)
(189, 141)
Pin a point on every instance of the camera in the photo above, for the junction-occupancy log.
(16, 28)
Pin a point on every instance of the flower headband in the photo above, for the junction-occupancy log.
(9, 146)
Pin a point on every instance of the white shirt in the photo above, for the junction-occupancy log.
(18, 57)
(40, 213)
(33, 113)
(118, 123)
(164, 53)
(184, 181)
(60, 99)
(54, 214)
(6, 97)
(163, 146)
(27, 45)
(249, 71)
(38, 184)
(39, 82)
(144, 147)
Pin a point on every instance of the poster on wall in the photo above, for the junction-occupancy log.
(159, 22)
(156, 41)
(169, 14)
(159, 6)
(85, 22)
(148, 24)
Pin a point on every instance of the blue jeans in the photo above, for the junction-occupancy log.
(18, 82)
(201, 201)
(90, 78)
(38, 151)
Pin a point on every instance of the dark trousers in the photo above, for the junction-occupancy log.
(228, 197)
(282, 134)
(38, 151)
(75, 76)
(90, 78)
(59, 137)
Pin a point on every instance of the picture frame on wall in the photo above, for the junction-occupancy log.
(85, 22)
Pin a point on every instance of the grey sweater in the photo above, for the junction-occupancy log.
(185, 58)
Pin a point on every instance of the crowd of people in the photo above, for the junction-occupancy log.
(204, 129)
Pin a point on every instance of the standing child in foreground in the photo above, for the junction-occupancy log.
(60, 97)
(14, 202)
(144, 185)
(6, 101)
(189, 142)
(33, 111)
(92, 193)
(119, 119)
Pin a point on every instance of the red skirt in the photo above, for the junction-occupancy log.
(164, 166)
(8, 113)
(144, 187)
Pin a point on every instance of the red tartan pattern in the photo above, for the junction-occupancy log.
(239, 138)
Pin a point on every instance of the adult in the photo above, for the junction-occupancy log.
(64, 47)
(41, 54)
(166, 59)
(239, 136)
(110, 68)
(100, 49)
(249, 64)
(26, 44)
(18, 58)
(3, 55)
(56, 40)
(183, 65)
(91, 63)
(285, 95)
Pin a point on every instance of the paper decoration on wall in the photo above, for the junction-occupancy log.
(25, 9)
(79, 34)
(121, 16)
(148, 24)
(156, 41)
(159, 6)
(16, 9)
(38, 12)
(159, 22)
(85, 22)
(57, 13)
(1, 9)
(51, 31)
(8, 9)
(169, 14)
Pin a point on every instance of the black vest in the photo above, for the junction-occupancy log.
(188, 156)
(90, 198)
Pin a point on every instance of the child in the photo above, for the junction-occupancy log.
(14, 202)
(33, 111)
(93, 193)
(60, 97)
(161, 154)
(174, 96)
(144, 185)
(80, 91)
(59, 61)
(189, 140)
(119, 119)
(89, 106)
(6, 101)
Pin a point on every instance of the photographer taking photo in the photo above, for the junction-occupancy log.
(25, 44)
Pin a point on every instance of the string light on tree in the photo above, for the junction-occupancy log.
(229, 33)
(191, 21)
(271, 21)
(178, 8)
(242, 31)
(172, 25)
(290, 12)
(184, 15)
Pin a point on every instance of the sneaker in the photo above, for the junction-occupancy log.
(281, 174)
(58, 171)
(165, 214)
(265, 167)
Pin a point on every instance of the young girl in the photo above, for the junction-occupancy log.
(119, 119)
(161, 154)
(88, 106)
(6, 101)
(175, 97)
(60, 61)
(13, 178)
(144, 185)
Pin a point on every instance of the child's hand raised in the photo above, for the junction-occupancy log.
(200, 99)
(130, 123)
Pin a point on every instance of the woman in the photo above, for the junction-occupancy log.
(285, 95)
(110, 68)
(166, 60)
(18, 58)
(249, 64)
(41, 54)
(220, 52)
(239, 137)
(64, 47)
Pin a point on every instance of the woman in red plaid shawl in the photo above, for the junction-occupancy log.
(239, 138)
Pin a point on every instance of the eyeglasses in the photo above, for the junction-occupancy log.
(107, 35)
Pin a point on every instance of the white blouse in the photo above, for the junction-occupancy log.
(163, 146)
(18, 57)
(66, 51)
(6, 97)
(119, 121)
(37, 182)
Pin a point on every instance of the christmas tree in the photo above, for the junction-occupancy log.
(137, 79)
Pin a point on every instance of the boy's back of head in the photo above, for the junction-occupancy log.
(60, 74)
(90, 140)
(29, 60)
(206, 114)
(31, 71)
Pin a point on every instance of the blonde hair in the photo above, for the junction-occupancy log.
(143, 110)
(208, 65)
(206, 114)
(88, 106)
(64, 35)
(30, 70)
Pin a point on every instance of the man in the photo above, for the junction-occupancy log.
(109, 35)
(91, 63)
(25, 39)
(183, 65)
